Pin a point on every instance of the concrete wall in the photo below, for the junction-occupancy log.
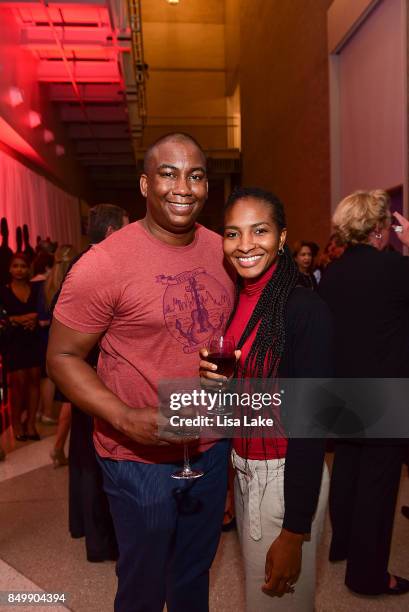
(284, 108)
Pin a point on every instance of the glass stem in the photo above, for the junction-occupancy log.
(186, 463)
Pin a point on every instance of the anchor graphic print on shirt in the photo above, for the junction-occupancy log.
(195, 306)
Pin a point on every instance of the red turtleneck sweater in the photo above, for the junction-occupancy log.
(254, 448)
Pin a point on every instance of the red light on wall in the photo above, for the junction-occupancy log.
(59, 150)
(48, 136)
(34, 119)
(15, 96)
(13, 140)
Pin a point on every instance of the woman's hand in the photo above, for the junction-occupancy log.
(283, 564)
(31, 321)
(28, 321)
(208, 370)
(404, 223)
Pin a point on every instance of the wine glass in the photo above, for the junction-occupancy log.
(186, 473)
(221, 353)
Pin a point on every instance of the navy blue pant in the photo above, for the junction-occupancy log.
(167, 531)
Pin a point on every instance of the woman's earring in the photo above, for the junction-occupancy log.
(281, 251)
(377, 235)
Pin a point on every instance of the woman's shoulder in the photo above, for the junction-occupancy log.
(304, 299)
(306, 308)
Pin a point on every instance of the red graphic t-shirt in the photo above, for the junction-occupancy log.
(157, 305)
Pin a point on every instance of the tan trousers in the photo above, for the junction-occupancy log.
(259, 500)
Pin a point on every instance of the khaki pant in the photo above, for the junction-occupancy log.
(259, 500)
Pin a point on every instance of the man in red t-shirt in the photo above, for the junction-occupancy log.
(151, 294)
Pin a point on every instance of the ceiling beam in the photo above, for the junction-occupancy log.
(110, 113)
(83, 72)
(71, 37)
(82, 132)
(90, 92)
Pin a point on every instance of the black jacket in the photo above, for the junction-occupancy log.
(307, 354)
(367, 292)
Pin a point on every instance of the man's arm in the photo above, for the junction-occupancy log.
(66, 366)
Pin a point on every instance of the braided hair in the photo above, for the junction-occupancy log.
(267, 348)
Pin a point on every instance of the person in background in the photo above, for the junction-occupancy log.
(6, 253)
(367, 291)
(22, 354)
(315, 249)
(89, 513)
(63, 256)
(303, 257)
(332, 251)
(28, 250)
(41, 266)
(104, 220)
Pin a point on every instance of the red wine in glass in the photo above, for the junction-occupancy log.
(221, 353)
(225, 363)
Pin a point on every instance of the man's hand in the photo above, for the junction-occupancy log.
(283, 564)
(143, 424)
(67, 351)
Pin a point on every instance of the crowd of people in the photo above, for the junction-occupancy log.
(140, 305)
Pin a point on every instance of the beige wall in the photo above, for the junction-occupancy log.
(284, 108)
(232, 44)
(184, 47)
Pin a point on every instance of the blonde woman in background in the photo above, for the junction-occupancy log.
(49, 395)
(367, 290)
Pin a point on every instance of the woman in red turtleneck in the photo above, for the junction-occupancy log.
(283, 330)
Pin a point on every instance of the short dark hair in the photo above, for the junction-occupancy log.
(41, 262)
(103, 216)
(175, 136)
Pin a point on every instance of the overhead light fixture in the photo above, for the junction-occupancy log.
(15, 96)
(34, 119)
(173, 1)
(48, 136)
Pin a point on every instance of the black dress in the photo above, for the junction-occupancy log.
(23, 347)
